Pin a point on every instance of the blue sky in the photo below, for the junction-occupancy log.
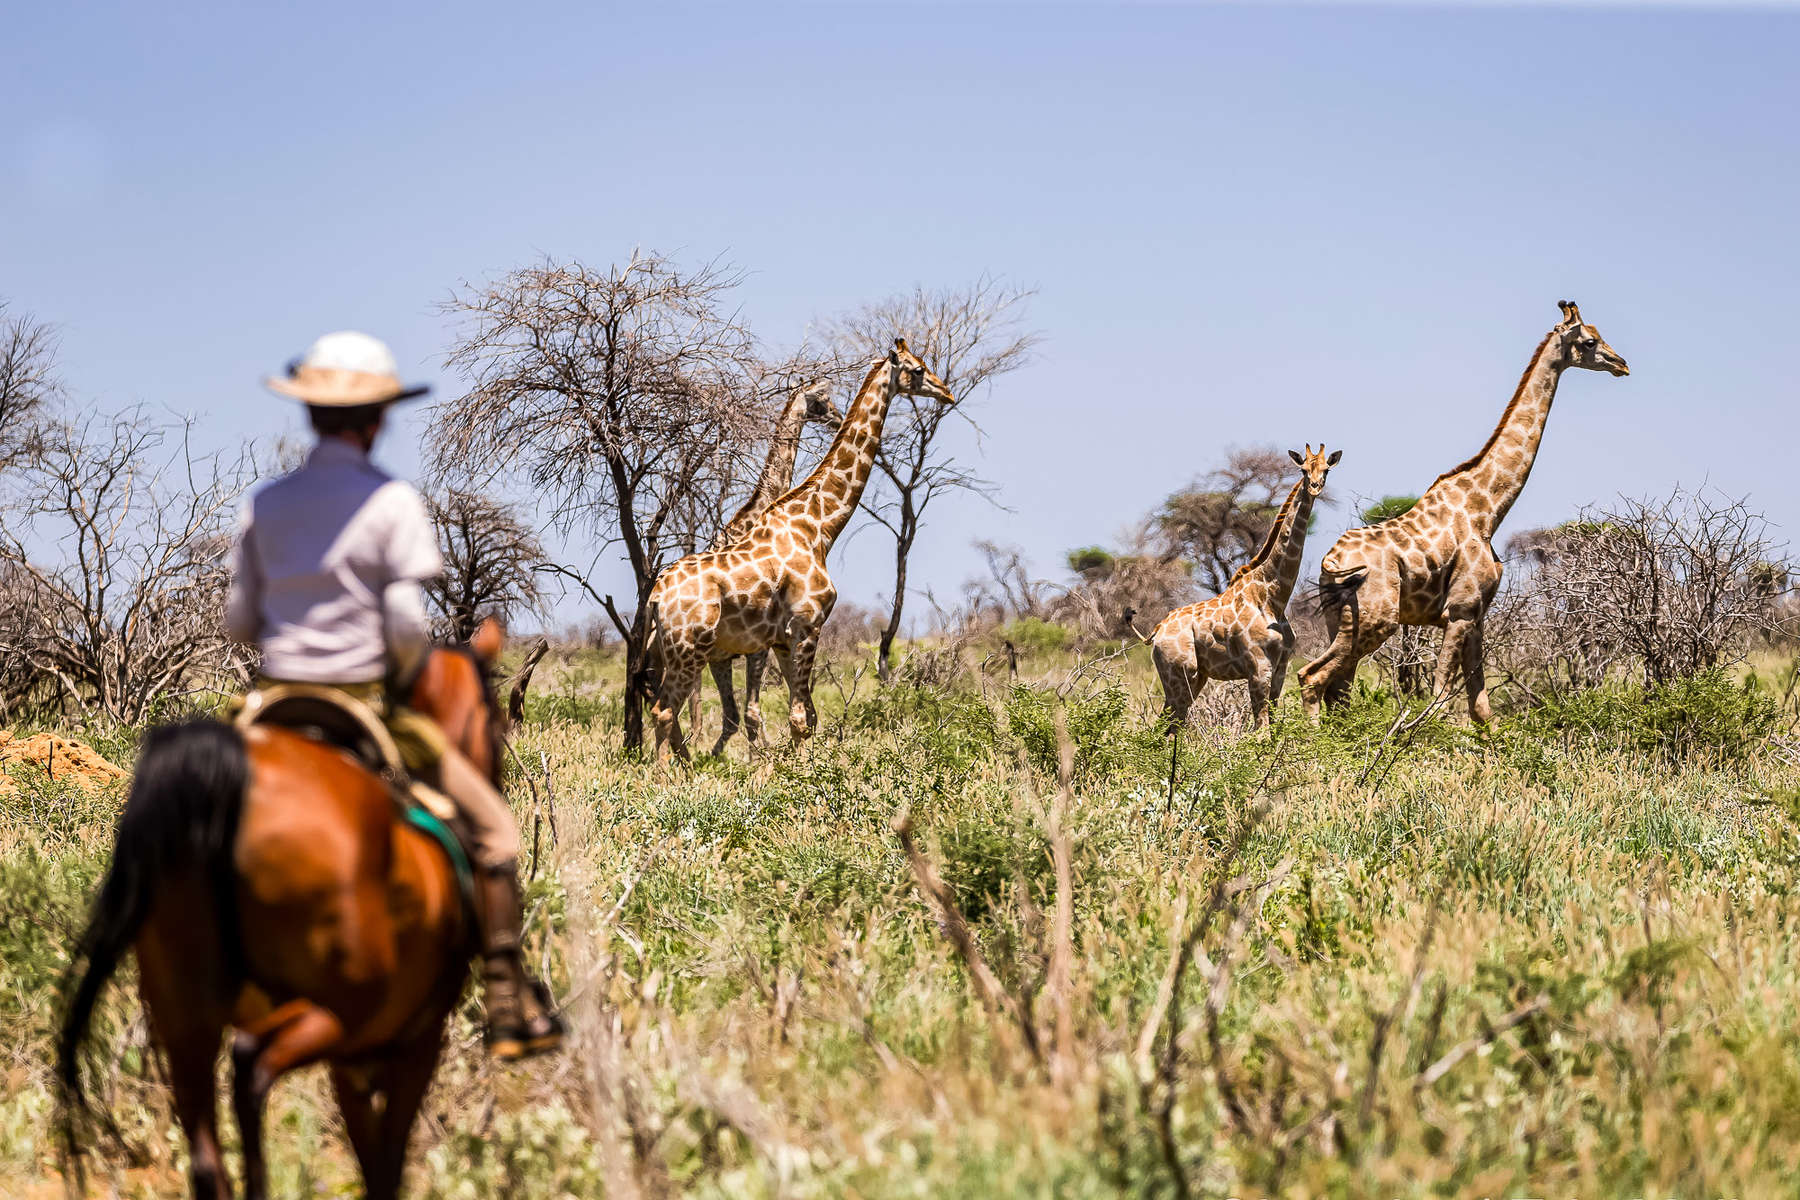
(1246, 224)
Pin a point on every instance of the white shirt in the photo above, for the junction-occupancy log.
(327, 569)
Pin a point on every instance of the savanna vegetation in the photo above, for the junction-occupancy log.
(1375, 957)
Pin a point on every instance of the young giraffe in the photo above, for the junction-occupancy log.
(770, 589)
(1435, 564)
(811, 403)
(1242, 633)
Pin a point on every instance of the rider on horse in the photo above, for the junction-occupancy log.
(327, 580)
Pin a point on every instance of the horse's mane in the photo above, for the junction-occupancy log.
(496, 726)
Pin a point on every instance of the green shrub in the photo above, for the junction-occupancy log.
(1705, 716)
(1105, 736)
(1031, 636)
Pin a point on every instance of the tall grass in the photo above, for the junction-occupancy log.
(1553, 958)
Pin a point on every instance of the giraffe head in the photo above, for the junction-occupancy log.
(914, 378)
(819, 408)
(1314, 466)
(1581, 345)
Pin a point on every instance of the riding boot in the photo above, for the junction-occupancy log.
(519, 1022)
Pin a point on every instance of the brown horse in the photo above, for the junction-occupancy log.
(265, 884)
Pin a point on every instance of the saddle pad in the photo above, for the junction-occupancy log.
(429, 824)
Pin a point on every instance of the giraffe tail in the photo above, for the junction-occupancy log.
(653, 650)
(1337, 591)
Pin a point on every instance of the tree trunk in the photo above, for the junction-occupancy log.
(637, 686)
(884, 666)
(515, 700)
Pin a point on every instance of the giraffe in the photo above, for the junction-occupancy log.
(810, 403)
(1435, 564)
(1242, 633)
(770, 589)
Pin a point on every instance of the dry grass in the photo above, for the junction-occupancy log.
(1517, 963)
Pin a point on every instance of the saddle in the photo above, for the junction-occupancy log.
(338, 719)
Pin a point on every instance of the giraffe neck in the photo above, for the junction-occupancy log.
(828, 497)
(1277, 564)
(1500, 468)
(777, 473)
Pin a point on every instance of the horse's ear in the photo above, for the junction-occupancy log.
(487, 641)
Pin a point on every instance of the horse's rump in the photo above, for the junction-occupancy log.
(335, 891)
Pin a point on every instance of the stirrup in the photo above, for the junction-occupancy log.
(514, 1040)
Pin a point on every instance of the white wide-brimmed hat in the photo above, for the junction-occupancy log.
(344, 369)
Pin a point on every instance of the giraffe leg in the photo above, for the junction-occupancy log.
(1278, 672)
(1259, 694)
(1456, 632)
(754, 664)
(796, 665)
(721, 673)
(1179, 687)
(1475, 678)
(679, 677)
(1316, 675)
(1462, 642)
(1328, 678)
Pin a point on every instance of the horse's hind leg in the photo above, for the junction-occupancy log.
(294, 1035)
(181, 980)
(380, 1137)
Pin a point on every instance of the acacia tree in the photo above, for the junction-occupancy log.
(1218, 523)
(622, 398)
(115, 567)
(491, 561)
(970, 336)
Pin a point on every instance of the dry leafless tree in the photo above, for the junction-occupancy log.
(1664, 587)
(970, 336)
(624, 399)
(30, 387)
(1124, 593)
(1009, 590)
(491, 561)
(115, 567)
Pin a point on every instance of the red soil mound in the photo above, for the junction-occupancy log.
(59, 758)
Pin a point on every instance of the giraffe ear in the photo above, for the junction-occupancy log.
(1333, 460)
(1295, 455)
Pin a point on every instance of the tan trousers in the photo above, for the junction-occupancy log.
(493, 834)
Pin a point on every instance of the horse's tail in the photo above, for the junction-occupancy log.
(1337, 590)
(187, 793)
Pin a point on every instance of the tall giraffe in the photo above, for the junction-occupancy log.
(1243, 633)
(770, 589)
(811, 403)
(1435, 563)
